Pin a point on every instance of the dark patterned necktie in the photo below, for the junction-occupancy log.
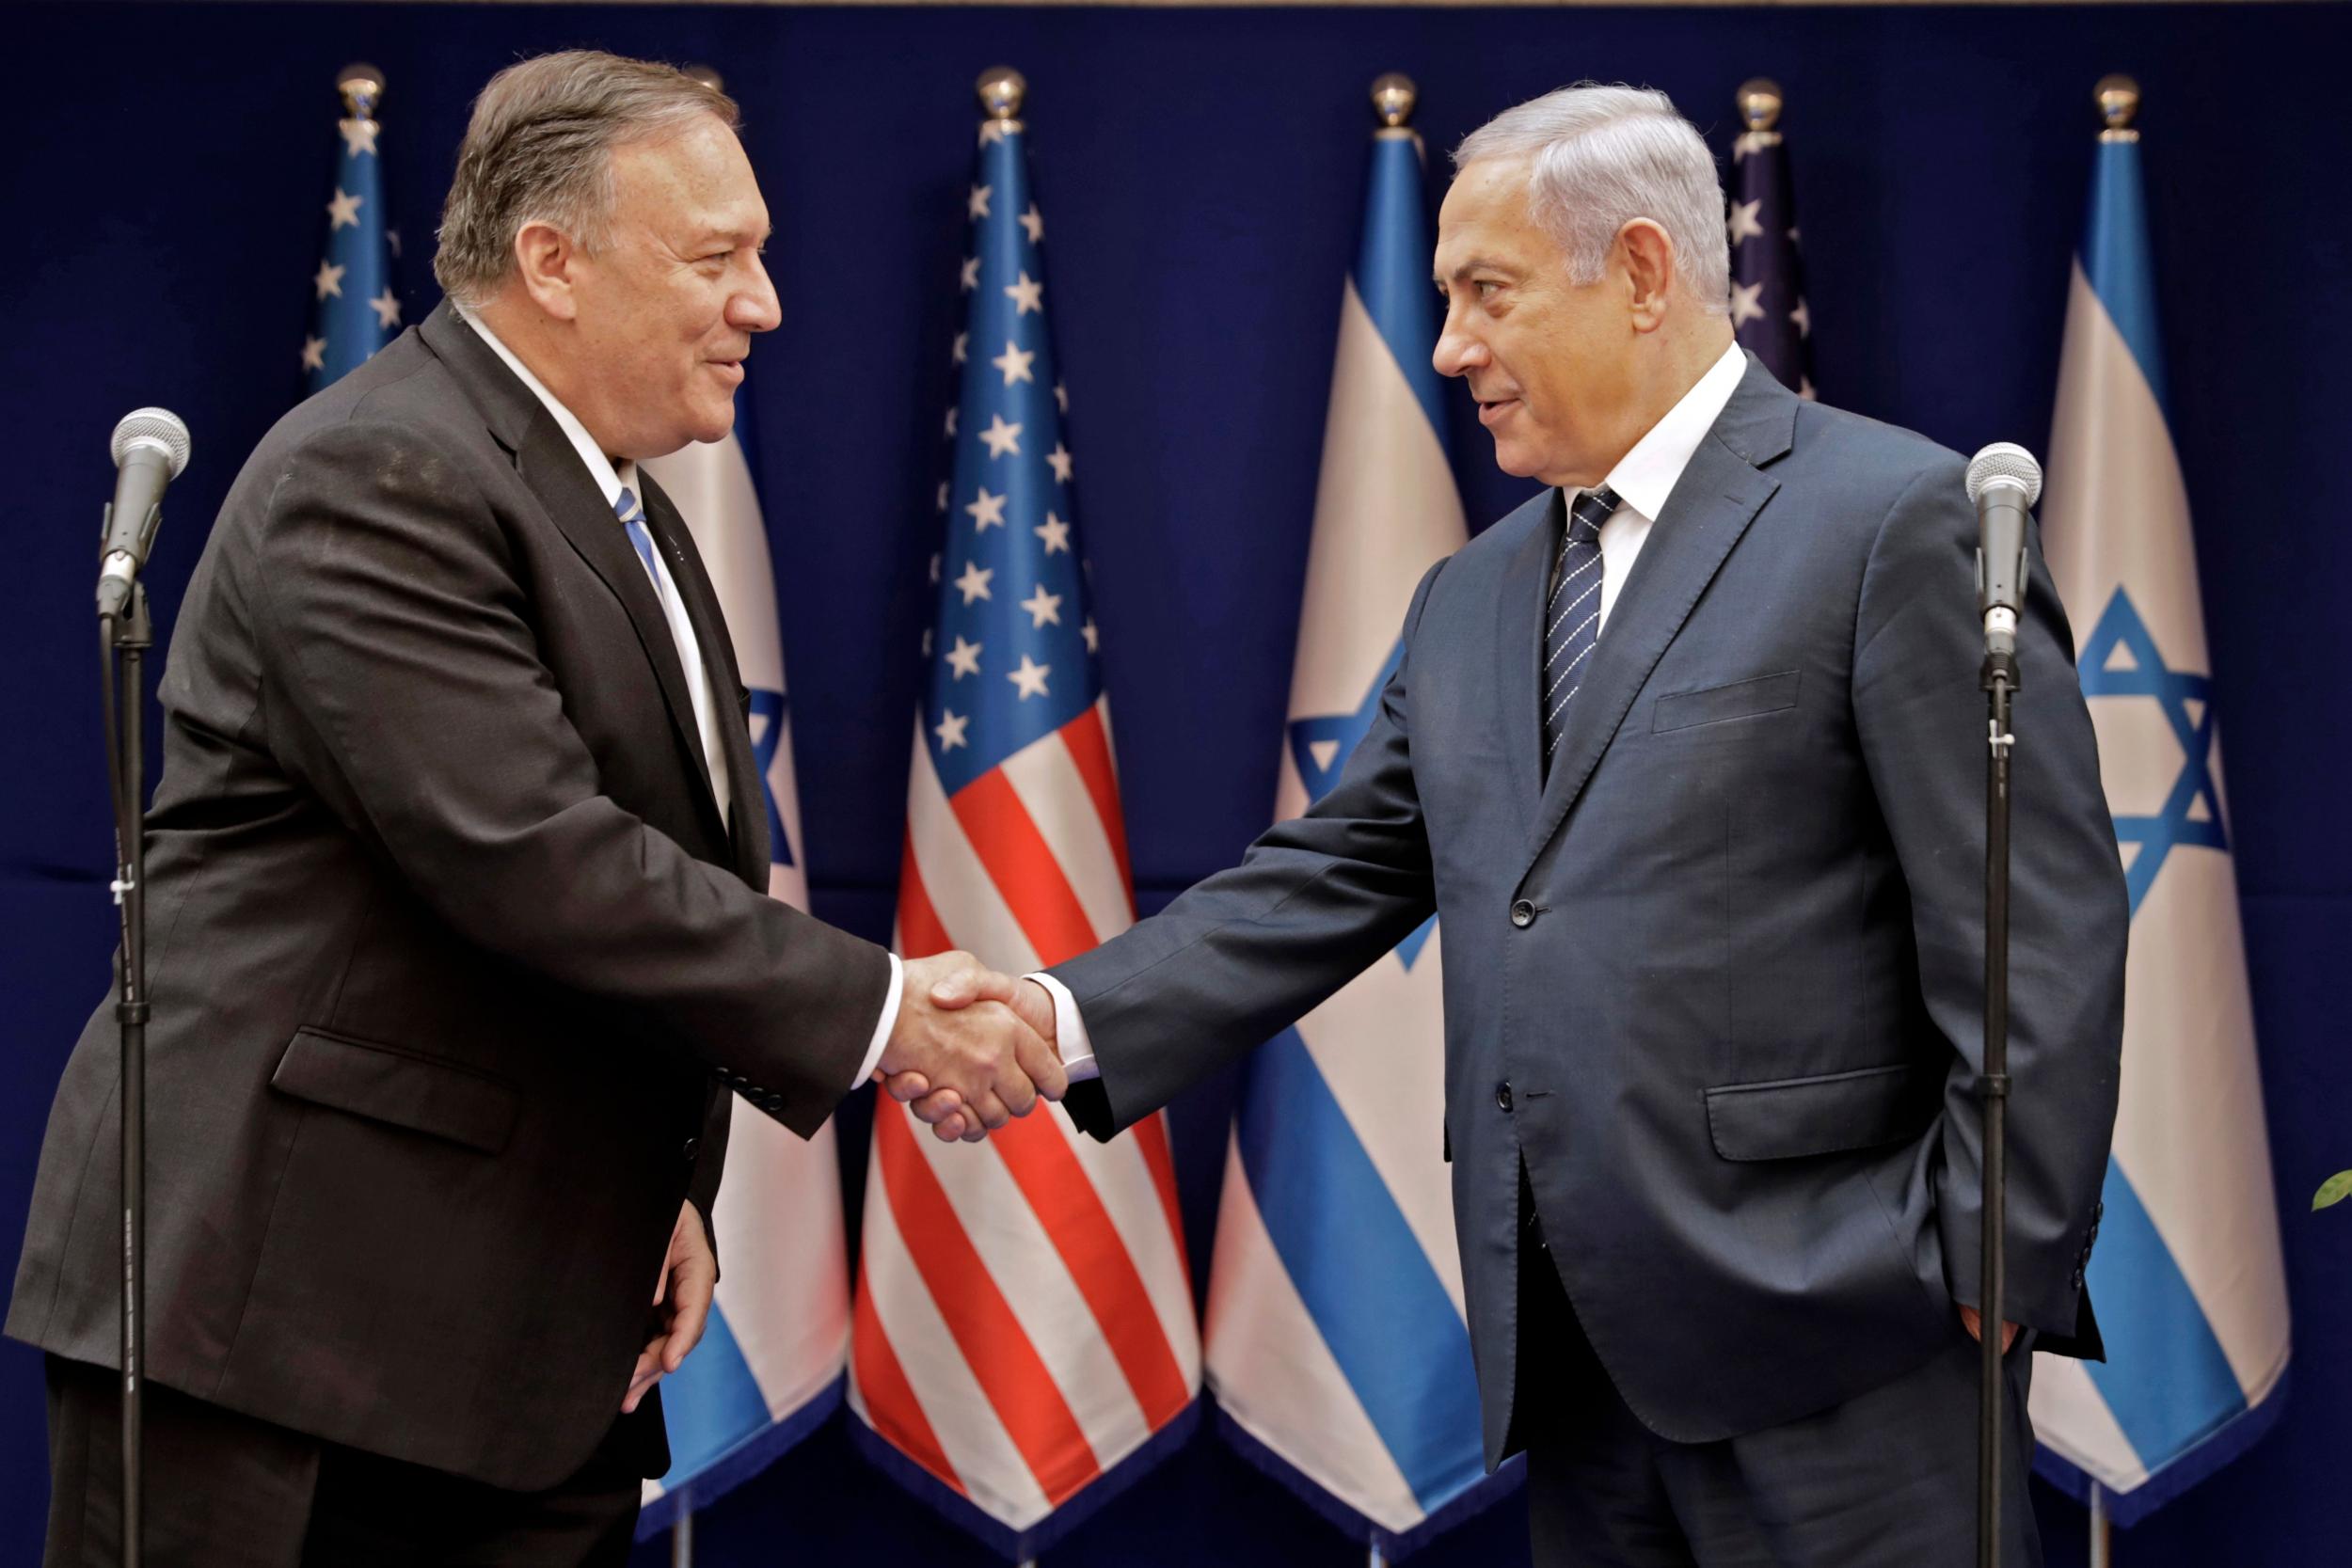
(1572, 615)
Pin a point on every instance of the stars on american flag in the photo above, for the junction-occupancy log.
(1014, 363)
(1002, 439)
(356, 307)
(1768, 307)
(1044, 608)
(1030, 678)
(1015, 585)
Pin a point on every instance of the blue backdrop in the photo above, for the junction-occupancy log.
(165, 168)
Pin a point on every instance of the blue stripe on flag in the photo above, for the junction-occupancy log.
(711, 1403)
(2116, 262)
(1392, 269)
(2153, 1321)
(1362, 1271)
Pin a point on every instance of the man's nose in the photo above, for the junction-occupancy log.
(1457, 352)
(756, 308)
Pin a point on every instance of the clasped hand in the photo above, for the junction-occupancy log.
(971, 1049)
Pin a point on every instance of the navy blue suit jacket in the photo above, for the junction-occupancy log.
(1717, 980)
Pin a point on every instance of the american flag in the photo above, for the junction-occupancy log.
(1767, 310)
(1024, 1321)
(356, 309)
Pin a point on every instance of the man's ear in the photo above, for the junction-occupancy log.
(1647, 254)
(546, 258)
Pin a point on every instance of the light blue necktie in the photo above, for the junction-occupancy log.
(632, 514)
(1572, 615)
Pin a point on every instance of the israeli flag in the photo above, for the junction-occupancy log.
(2186, 1275)
(769, 1366)
(1337, 1345)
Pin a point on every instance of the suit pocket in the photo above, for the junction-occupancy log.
(1714, 705)
(1791, 1118)
(385, 1083)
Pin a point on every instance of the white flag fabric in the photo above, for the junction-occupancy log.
(1337, 1345)
(770, 1365)
(2186, 1275)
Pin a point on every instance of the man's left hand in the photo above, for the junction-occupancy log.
(1975, 1322)
(689, 1275)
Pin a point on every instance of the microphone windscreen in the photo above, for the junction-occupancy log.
(2003, 461)
(156, 427)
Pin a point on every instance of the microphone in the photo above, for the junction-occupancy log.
(2004, 482)
(151, 448)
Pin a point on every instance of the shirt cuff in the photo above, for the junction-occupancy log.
(1070, 1030)
(889, 1021)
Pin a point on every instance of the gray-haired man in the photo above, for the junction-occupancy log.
(1687, 753)
(461, 938)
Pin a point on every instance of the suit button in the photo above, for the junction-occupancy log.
(1522, 915)
(694, 1146)
(1502, 1094)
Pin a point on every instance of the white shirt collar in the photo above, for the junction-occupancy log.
(611, 481)
(1646, 476)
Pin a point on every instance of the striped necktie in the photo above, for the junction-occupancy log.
(632, 514)
(1572, 615)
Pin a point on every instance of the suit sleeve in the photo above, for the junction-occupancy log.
(404, 684)
(1922, 719)
(1241, 955)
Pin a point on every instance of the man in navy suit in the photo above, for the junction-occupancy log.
(1687, 752)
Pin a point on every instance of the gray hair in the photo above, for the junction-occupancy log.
(539, 150)
(1600, 156)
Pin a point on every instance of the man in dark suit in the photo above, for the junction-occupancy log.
(459, 935)
(1687, 753)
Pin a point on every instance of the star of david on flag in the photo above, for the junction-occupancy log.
(356, 308)
(2186, 1275)
(769, 1367)
(1025, 1341)
(1338, 1348)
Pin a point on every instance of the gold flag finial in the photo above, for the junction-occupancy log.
(2118, 105)
(1001, 91)
(362, 87)
(1760, 103)
(707, 77)
(1392, 98)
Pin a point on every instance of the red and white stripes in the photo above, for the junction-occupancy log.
(1024, 1316)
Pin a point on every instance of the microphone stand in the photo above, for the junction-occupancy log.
(2000, 683)
(127, 640)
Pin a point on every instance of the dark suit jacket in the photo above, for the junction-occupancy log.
(1718, 982)
(450, 953)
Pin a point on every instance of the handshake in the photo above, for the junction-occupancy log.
(971, 1049)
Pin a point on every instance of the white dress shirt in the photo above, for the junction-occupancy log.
(612, 479)
(1642, 480)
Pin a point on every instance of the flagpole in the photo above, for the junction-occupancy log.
(682, 1533)
(2102, 1537)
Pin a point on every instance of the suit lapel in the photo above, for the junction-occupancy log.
(747, 812)
(547, 462)
(1710, 509)
(1519, 648)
